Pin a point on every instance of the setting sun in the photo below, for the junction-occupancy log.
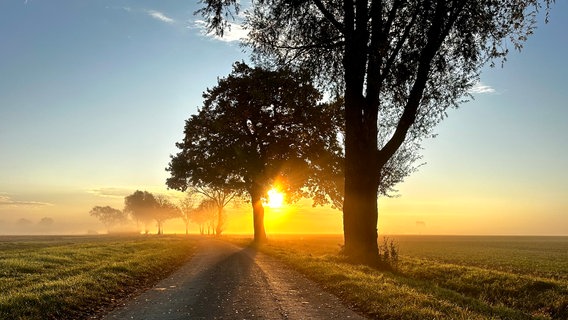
(275, 198)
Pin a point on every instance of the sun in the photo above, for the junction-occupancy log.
(275, 198)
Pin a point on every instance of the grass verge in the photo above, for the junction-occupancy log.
(77, 277)
(434, 282)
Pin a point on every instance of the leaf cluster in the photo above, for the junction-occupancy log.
(257, 128)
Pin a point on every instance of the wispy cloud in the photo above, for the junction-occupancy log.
(123, 191)
(235, 31)
(160, 16)
(111, 192)
(154, 14)
(6, 200)
(481, 88)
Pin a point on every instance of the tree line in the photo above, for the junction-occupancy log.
(200, 206)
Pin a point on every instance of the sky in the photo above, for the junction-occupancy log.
(94, 95)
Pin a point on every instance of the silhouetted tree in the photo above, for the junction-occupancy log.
(46, 222)
(398, 64)
(258, 128)
(221, 197)
(187, 209)
(141, 205)
(109, 216)
(205, 215)
(165, 210)
(208, 213)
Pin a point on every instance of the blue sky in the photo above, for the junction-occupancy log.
(94, 94)
(95, 88)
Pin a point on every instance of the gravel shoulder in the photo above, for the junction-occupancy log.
(223, 281)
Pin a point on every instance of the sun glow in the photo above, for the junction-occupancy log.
(275, 198)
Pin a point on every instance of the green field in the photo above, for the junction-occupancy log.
(58, 277)
(65, 277)
(442, 277)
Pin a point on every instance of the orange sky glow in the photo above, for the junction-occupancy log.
(90, 114)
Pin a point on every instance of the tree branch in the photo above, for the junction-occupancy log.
(329, 16)
(391, 59)
(435, 37)
(349, 19)
(312, 46)
(374, 65)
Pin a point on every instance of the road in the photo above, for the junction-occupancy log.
(223, 281)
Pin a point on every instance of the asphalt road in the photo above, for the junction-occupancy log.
(223, 281)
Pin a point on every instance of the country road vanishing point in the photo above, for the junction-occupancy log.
(223, 281)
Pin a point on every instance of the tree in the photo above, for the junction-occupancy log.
(165, 210)
(221, 197)
(108, 216)
(207, 216)
(398, 64)
(204, 215)
(258, 128)
(141, 205)
(46, 221)
(187, 209)
(145, 207)
(200, 218)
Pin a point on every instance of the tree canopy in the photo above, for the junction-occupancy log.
(398, 64)
(140, 205)
(108, 216)
(165, 210)
(145, 207)
(258, 128)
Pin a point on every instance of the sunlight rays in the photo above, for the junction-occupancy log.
(275, 198)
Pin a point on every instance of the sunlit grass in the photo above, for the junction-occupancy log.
(441, 277)
(74, 277)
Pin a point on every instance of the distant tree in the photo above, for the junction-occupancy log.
(46, 222)
(258, 128)
(221, 197)
(399, 65)
(199, 217)
(201, 214)
(187, 209)
(165, 210)
(141, 205)
(206, 215)
(109, 216)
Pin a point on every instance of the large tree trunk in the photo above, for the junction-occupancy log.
(360, 211)
(258, 216)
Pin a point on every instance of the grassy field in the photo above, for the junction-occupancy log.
(65, 277)
(61, 277)
(441, 277)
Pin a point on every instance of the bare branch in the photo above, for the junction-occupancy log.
(329, 16)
